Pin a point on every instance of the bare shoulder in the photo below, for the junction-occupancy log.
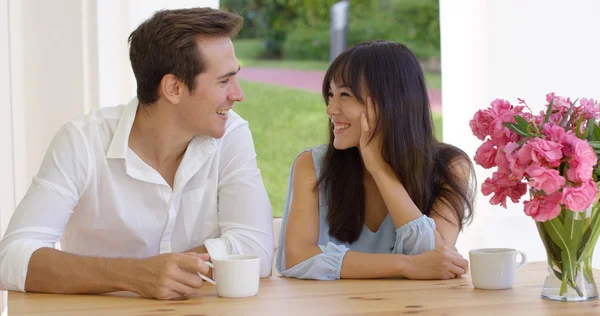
(304, 168)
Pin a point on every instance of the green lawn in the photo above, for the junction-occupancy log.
(286, 64)
(248, 53)
(283, 122)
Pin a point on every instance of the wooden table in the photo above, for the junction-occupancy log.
(281, 296)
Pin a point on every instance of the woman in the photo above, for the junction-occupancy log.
(384, 199)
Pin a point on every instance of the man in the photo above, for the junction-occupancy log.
(137, 194)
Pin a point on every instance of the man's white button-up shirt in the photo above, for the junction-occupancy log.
(98, 198)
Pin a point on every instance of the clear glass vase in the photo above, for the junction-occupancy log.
(569, 240)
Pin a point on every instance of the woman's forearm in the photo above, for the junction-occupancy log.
(440, 263)
(363, 265)
(401, 207)
(355, 265)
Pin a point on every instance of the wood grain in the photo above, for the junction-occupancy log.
(282, 296)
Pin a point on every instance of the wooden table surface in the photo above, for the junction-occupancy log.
(282, 296)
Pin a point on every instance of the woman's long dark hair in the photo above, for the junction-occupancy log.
(391, 75)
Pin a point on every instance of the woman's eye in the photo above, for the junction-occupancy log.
(344, 94)
(225, 81)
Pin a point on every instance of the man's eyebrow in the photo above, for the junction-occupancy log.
(229, 74)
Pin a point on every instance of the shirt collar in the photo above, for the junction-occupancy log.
(120, 142)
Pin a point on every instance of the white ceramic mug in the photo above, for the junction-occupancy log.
(235, 275)
(494, 268)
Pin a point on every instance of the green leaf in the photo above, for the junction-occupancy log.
(597, 170)
(567, 115)
(588, 271)
(596, 135)
(557, 232)
(523, 124)
(561, 216)
(515, 128)
(553, 252)
(578, 124)
(588, 249)
(594, 144)
(548, 112)
(574, 225)
(589, 130)
(565, 270)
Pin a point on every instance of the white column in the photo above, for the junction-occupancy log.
(512, 49)
(52, 64)
(7, 196)
(7, 193)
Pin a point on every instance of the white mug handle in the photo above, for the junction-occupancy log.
(204, 277)
(523, 260)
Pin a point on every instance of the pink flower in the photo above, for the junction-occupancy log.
(588, 108)
(560, 107)
(502, 162)
(543, 207)
(545, 151)
(500, 108)
(486, 155)
(582, 162)
(502, 188)
(537, 157)
(525, 115)
(480, 124)
(554, 133)
(542, 178)
(581, 197)
(501, 111)
(515, 168)
(558, 102)
(524, 154)
(506, 137)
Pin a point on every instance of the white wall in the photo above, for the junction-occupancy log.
(512, 49)
(7, 194)
(49, 77)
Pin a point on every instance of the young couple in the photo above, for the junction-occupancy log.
(141, 195)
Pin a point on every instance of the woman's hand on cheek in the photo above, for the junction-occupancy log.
(371, 148)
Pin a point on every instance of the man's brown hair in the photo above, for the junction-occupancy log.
(166, 44)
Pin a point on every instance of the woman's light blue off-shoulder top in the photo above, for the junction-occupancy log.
(413, 238)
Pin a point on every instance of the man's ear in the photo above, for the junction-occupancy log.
(171, 88)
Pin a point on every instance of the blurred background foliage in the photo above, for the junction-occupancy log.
(299, 29)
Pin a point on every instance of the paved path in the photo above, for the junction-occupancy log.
(308, 80)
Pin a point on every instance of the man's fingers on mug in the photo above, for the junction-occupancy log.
(193, 264)
(189, 279)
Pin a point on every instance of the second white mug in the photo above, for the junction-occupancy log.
(494, 268)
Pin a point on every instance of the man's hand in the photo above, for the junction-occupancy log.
(168, 276)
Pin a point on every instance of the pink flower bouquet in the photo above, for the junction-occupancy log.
(555, 154)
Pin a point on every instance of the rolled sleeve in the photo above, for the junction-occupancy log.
(324, 266)
(18, 253)
(244, 209)
(41, 217)
(415, 237)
